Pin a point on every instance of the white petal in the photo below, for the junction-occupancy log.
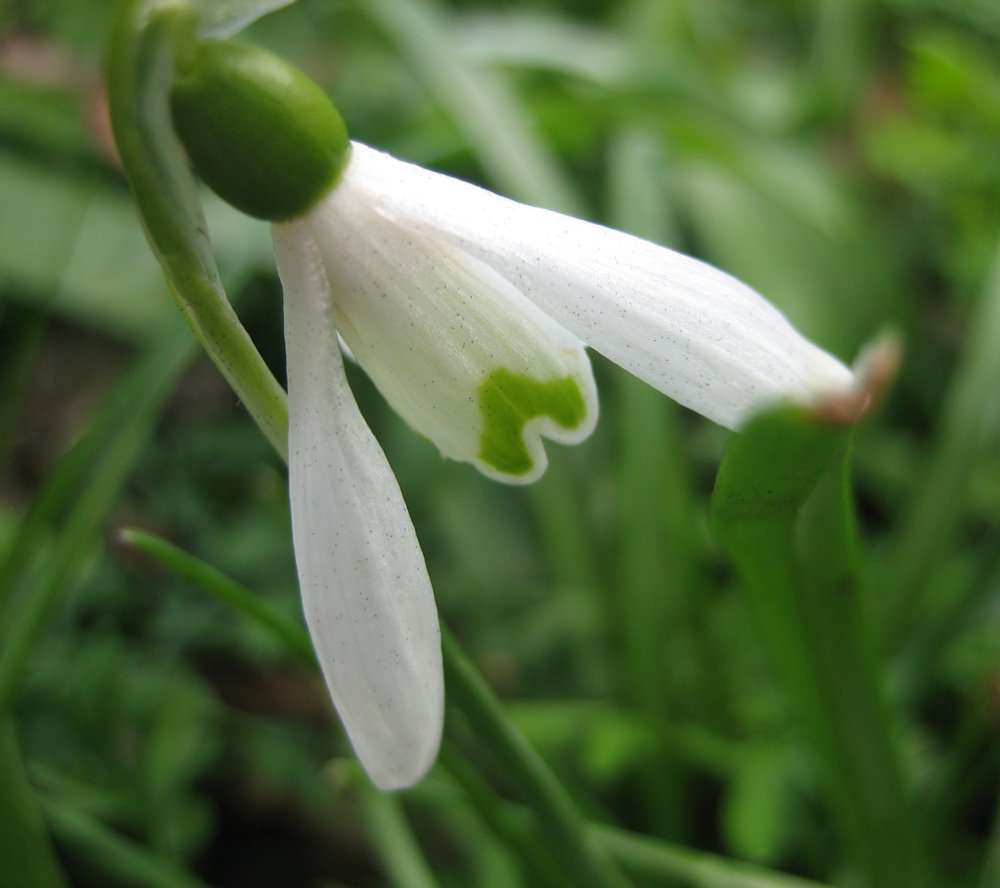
(690, 330)
(365, 589)
(454, 347)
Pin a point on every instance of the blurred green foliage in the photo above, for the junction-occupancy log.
(839, 155)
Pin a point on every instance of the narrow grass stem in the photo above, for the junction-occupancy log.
(526, 770)
(650, 860)
(653, 862)
(534, 856)
(203, 576)
(398, 850)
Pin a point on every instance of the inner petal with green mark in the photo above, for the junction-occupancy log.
(455, 347)
(509, 401)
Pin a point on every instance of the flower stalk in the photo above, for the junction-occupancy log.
(782, 510)
(149, 38)
(526, 769)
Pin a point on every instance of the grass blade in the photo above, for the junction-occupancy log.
(117, 443)
(63, 483)
(28, 859)
(649, 860)
(489, 116)
(112, 854)
(540, 867)
(205, 577)
(658, 863)
(658, 574)
(968, 431)
(526, 770)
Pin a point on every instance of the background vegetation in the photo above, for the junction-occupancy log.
(839, 155)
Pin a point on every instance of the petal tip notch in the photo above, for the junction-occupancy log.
(518, 410)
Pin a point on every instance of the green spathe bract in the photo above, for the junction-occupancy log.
(508, 401)
(261, 134)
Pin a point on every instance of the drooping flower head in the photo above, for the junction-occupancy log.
(471, 313)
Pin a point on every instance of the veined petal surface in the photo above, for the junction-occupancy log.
(693, 332)
(365, 590)
(457, 350)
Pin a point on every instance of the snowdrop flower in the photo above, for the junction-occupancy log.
(472, 314)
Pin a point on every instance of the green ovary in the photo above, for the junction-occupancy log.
(508, 401)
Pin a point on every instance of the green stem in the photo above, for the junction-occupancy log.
(526, 770)
(25, 849)
(399, 853)
(535, 857)
(659, 863)
(148, 37)
(651, 861)
(783, 511)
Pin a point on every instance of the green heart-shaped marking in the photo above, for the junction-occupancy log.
(508, 401)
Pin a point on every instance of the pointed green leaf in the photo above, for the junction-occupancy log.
(782, 510)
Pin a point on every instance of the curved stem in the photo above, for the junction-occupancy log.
(149, 36)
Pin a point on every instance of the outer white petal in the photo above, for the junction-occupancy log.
(454, 347)
(365, 590)
(690, 330)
